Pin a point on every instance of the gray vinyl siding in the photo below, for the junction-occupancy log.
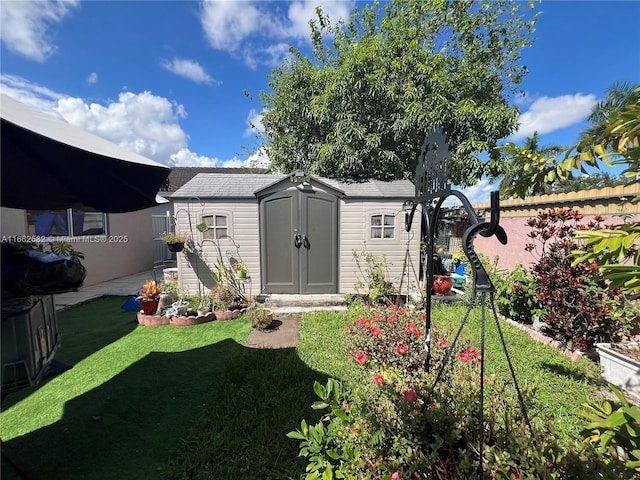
(242, 215)
(355, 234)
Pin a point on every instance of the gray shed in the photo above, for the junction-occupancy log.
(295, 233)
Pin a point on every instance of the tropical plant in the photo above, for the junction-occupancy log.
(577, 308)
(150, 290)
(516, 168)
(377, 83)
(615, 432)
(614, 139)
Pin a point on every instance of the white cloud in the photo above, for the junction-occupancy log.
(547, 114)
(25, 26)
(186, 158)
(92, 78)
(260, 35)
(36, 96)
(144, 123)
(189, 69)
(254, 124)
(478, 193)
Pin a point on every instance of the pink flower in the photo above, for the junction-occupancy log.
(392, 318)
(360, 321)
(410, 396)
(411, 327)
(464, 357)
(391, 307)
(419, 333)
(376, 318)
(414, 413)
(424, 318)
(362, 358)
(367, 323)
(379, 379)
(468, 354)
(443, 343)
(402, 348)
(395, 476)
(375, 331)
(349, 328)
(401, 311)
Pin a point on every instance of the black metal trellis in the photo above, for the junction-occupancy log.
(432, 189)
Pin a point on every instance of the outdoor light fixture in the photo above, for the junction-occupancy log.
(298, 176)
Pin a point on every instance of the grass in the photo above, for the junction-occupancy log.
(193, 403)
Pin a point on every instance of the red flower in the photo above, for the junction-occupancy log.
(411, 327)
(402, 349)
(376, 318)
(464, 357)
(367, 323)
(395, 476)
(424, 317)
(419, 333)
(379, 379)
(392, 318)
(410, 396)
(362, 358)
(391, 307)
(401, 311)
(468, 354)
(349, 328)
(360, 321)
(375, 331)
(443, 343)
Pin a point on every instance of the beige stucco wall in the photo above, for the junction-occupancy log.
(126, 250)
(612, 203)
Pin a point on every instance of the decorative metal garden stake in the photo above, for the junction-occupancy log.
(432, 189)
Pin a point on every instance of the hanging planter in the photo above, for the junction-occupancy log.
(175, 247)
(175, 240)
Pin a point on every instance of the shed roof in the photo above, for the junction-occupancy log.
(179, 176)
(229, 185)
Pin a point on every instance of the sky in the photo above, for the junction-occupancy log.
(179, 81)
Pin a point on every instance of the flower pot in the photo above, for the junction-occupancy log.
(175, 247)
(618, 368)
(242, 275)
(180, 307)
(149, 305)
(442, 284)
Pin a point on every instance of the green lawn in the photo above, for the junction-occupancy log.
(192, 402)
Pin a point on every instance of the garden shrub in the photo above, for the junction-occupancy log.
(578, 309)
(516, 295)
(393, 424)
(373, 280)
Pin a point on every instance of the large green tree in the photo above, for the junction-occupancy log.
(361, 104)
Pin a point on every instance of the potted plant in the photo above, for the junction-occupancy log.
(169, 294)
(620, 364)
(181, 306)
(260, 317)
(175, 240)
(223, 297)
(240, 269)
(150, 297)
(206, 304)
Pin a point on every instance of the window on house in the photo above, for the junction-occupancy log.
(71, 222)
(383, 226)
(218, 226)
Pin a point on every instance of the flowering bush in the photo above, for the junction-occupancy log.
(396, 424)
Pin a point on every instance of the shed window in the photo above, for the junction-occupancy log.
(68, 223)
(218, 226)
(382, 226)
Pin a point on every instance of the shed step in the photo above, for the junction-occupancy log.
(308, 301)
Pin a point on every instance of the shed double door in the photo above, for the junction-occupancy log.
(299, 242)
